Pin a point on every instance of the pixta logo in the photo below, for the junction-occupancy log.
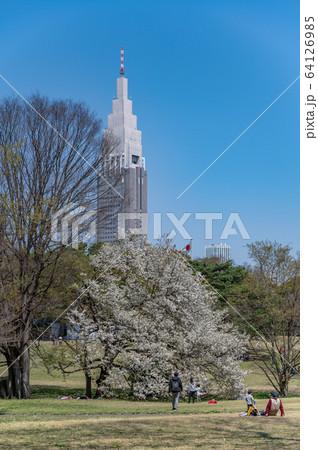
(71, 221)
(135, 223)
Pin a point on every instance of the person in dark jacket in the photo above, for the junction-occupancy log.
(175, 387)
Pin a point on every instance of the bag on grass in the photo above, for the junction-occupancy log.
(252, 411)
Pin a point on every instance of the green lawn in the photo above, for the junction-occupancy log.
(51, 406)
(47, 422)
(223, 430)
(257, 381)
(75, 383)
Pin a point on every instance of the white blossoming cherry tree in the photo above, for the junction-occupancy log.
(149, 314)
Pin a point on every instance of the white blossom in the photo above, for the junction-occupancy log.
(151, 315)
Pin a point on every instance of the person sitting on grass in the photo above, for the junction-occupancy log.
(273, 405)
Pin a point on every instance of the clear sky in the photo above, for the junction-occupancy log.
(199, 72)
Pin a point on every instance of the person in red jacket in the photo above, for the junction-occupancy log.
(273, 405)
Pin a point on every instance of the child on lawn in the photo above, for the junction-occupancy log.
(249, 399)
(199, 393)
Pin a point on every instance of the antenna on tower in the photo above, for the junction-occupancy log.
(122, 71)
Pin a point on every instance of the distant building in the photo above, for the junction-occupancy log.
(123, 168)
(220, 251)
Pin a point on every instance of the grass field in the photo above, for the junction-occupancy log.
(48, 422)
(195, 426)
(255, 380)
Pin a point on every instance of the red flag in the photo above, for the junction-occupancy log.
(188, 247)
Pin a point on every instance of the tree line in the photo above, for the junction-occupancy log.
(143, 310)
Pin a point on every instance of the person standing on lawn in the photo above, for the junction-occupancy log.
(192, 390)
(273, 405)
(199, 393)
(249, 399)
(175, 387)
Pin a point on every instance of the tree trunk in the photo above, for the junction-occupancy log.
(4, 387)
(283, 387)
(88, 379)
(25, 372)
(283, 384)
(19, 371)
(102, 376)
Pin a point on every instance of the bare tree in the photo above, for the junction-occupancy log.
(49, 159)
(74, 355)
(269, 299)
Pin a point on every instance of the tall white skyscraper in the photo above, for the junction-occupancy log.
(123, 168)
(220, 251)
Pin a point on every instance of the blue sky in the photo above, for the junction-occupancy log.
(199, 73)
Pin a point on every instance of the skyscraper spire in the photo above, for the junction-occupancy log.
(122, 71)
(124, 169)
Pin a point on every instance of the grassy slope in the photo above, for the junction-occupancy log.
(194, 426)
(255, 380)
(51, 406)
(207, 431)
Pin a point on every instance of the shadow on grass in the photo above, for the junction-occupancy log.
(267, 436)
(43, 391)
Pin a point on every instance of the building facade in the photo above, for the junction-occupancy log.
(220, 251)
(122, 188)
